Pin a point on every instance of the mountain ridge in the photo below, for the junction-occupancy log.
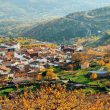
(78, 24)
(31, 12)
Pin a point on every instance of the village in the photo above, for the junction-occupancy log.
(26, 60)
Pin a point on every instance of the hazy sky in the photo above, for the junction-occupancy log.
(48, 7)
(69, 4)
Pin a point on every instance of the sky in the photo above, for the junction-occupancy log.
(41, 8)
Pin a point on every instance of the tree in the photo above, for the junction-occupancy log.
(39, 76)
(93, 76)
(70, 67)
(101, 62)
(44, 73)
(108, 66)
(50, 74)
(80, 57)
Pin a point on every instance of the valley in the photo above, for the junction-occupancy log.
(54, 55)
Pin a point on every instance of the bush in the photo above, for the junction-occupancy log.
(56, 97)
(93, 76)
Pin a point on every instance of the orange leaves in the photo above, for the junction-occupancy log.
(101, 62)
(25, 103)
(1, 99)
(93, 76)
(39, 77)
(81, 57)
(108, 66)
(57, 98)
(50, 74)
(70, 67)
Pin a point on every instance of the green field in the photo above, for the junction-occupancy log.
(77, 76)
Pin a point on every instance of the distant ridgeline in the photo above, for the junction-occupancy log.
(79, 24)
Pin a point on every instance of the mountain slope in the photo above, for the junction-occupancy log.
(79, 24)
(17, 15)
(104, 40)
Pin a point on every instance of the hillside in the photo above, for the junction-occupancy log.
(78, 24)
(17, 15)
(104, 40)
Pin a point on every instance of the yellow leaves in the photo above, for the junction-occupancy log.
(31, 109)
(108, 32)
(93, 76)
(1, 40)
(81, 56)
(1, 99)
(56, 94)
(108, 66)
(50, 74)
(25, 104)
(101, 62)
(50, 70)
(22, 40)
(57, 98)
(39, 77)
(38, 45)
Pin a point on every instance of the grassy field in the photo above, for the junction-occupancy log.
(21, 88)
(78, 76)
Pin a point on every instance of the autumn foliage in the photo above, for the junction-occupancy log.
(56, 98)
(93, 76)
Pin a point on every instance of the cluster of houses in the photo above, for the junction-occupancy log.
(19, 63)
